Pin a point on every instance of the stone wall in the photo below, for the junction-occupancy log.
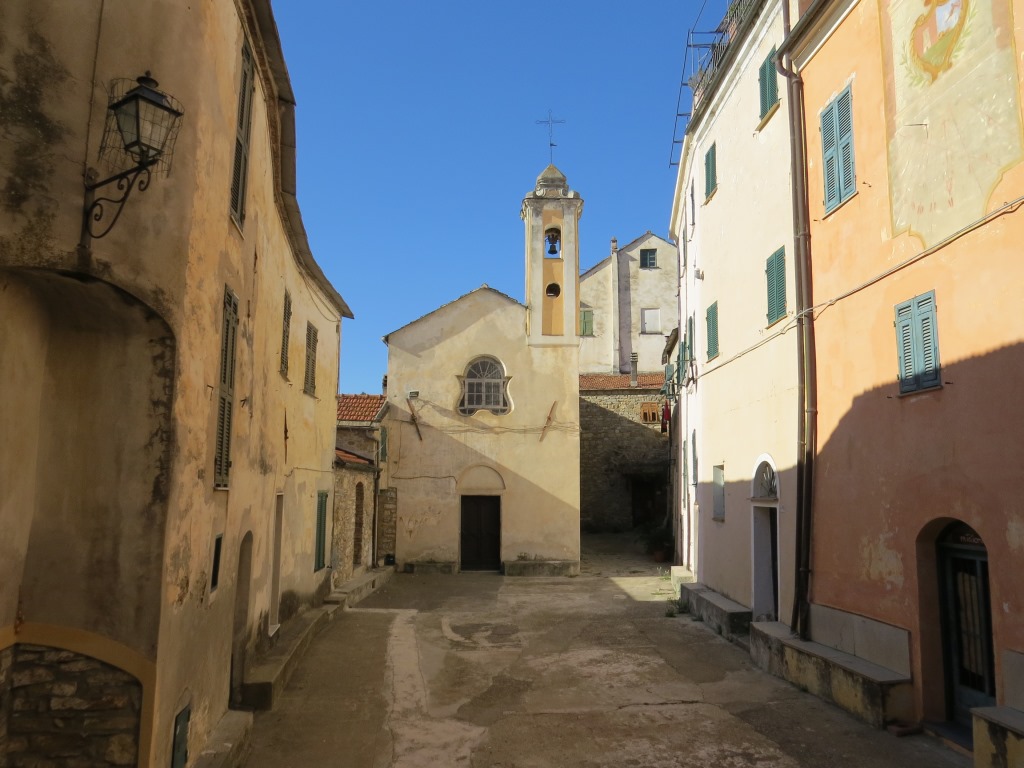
(617, 452)
(343, 543)
(387, 521)
(61, 709)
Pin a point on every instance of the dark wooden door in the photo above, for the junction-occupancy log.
(481, 533)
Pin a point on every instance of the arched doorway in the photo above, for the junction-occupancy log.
(764, 495)
(966, 611)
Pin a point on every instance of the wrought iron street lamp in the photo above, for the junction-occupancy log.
(147, 124)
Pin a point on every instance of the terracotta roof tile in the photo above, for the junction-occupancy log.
(620, 381)
(351, 458)
(359, 407)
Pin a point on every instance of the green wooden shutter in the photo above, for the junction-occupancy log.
(769, 83)
(830, 160)
(844, 144)
(225, 394)
(710, 172)
(242, 134)
(691, 340)
(775, 274)
(712, 322)
(586, 322)
(383, 453)
(286, 324)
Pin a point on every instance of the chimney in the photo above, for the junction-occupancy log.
(384, 385)
(615, 245)
(633, 358)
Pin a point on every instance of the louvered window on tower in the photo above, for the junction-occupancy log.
(243, 130)
(309, 383)
(775, 275)
(837, 150)
(917, 344)
(226, 391)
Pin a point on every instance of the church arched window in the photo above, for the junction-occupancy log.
(484, 387)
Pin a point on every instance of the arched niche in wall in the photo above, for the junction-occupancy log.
(479, 478)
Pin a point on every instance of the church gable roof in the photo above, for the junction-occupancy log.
(645, 236)
(483, 290)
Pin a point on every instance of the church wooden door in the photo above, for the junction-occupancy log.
(481, 533)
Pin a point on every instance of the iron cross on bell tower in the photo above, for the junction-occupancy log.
(550, 122)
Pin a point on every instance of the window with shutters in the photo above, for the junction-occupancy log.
(286, 326)
(650, 320)
(484, 387)
(309, 383)
(712, 322)
(775, 274)
(320, 544)
(837, 150)
(690, 340)
(917, 344)
(586, 322)
(768, 82)
(243, 129)
(648, 258)
(718, 509)
(710, 172)
(218, 544)
(357, 533)
(226, 391)
(650, 413)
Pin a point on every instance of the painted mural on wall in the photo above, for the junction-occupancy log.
(952, 111)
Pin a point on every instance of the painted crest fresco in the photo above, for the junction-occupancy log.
(952, 111)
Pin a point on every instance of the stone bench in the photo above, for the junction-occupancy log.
(726, 617)
(873, 693)
(998, 737)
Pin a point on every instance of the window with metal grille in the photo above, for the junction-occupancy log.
(648, 258)
(775, 275)
(837, 150)
(321, 531)
(309, 383)
(357, 533)
(917, 344)
(484, 388)
(286, 325)
(225, 390)
(712, 322)
(243, 128)
(768, 82)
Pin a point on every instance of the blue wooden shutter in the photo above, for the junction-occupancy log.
(905, 345)
(844, 142)
(830, 160)
(927, 369)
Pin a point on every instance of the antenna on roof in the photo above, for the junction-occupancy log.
(550, 122)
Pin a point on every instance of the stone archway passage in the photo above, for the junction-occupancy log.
(65, 709)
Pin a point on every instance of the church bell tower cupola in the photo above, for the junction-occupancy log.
(551, 213)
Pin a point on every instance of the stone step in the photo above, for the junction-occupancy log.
(726, 617)
(230, 742)
(352, 592)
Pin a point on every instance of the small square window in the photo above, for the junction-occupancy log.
(650, 321)
(648, 258)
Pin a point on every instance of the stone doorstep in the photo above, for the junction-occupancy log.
(230, 742)
(998, 736)
(352, 592)
(870, 691)
(725, 616)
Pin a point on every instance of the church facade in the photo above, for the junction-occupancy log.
(483, 414)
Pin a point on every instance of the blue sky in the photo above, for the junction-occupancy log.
(417, 140)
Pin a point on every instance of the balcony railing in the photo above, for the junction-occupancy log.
(735, 22)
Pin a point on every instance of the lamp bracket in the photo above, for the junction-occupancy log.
(95, 207)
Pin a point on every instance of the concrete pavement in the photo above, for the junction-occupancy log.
(481, 670)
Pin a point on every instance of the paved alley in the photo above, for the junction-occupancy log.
(481, 670)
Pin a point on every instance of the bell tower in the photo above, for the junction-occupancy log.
(551, 214)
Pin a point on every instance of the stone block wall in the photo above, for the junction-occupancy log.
(343, 543)
(617, 450)
(61, 709)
